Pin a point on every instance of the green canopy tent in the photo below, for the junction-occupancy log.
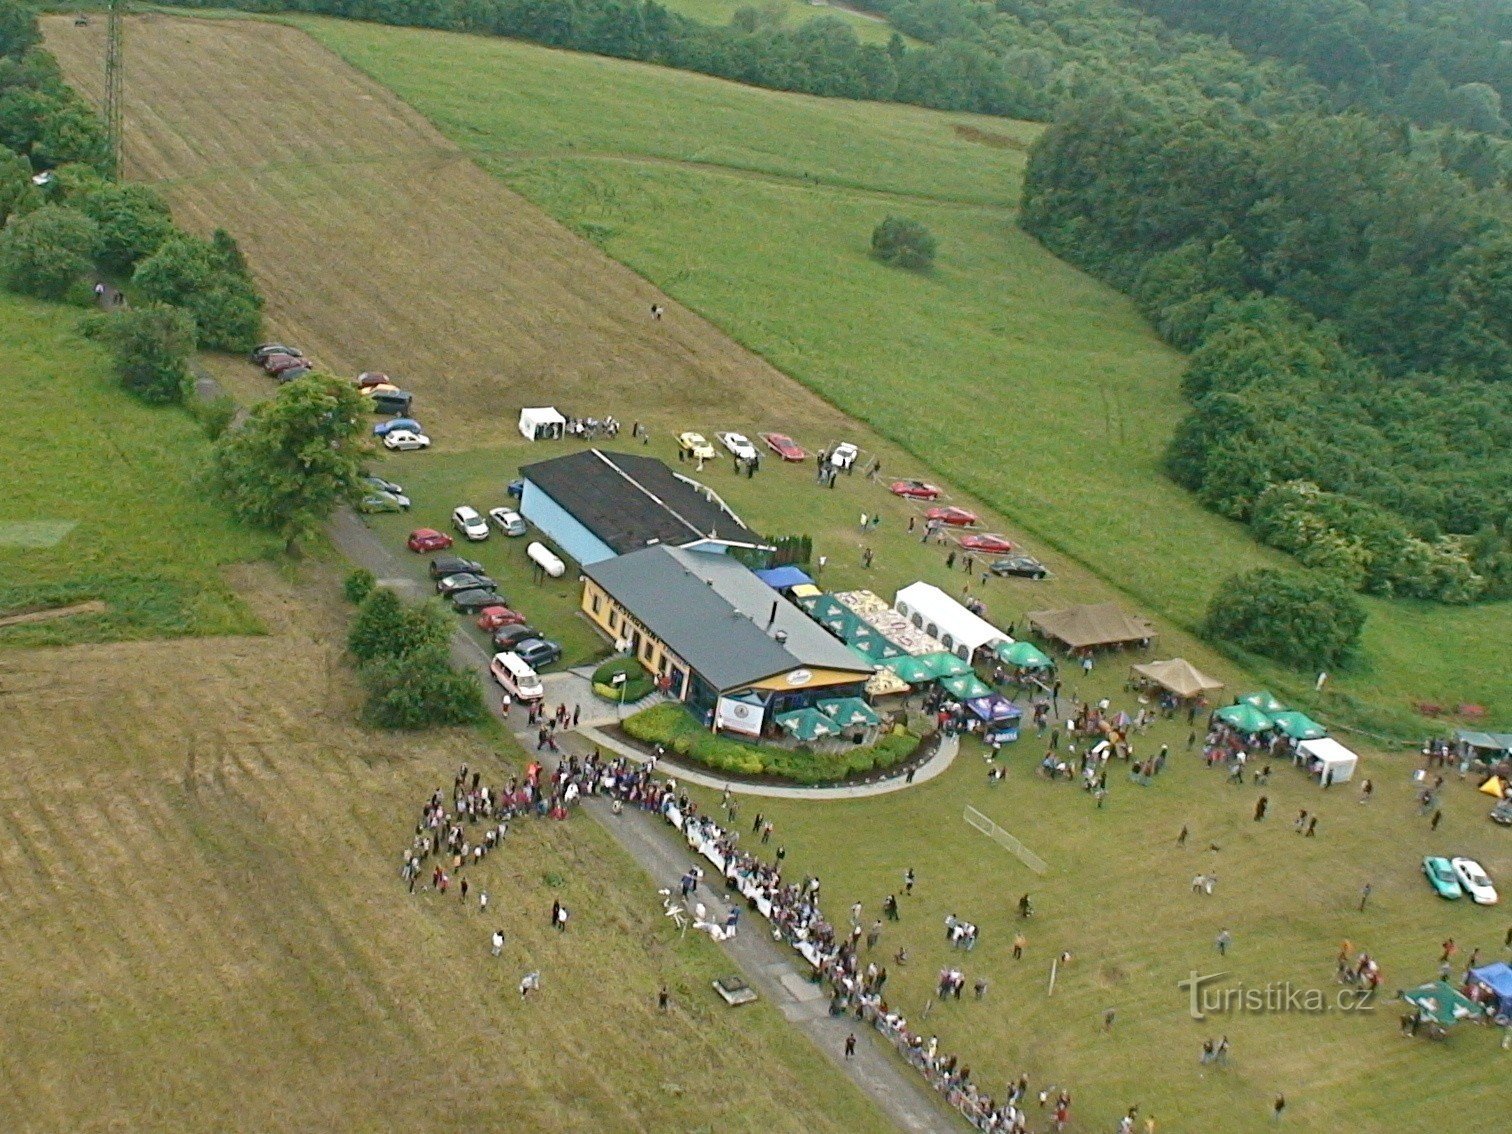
(945, 664)
(806, 724)
(845, 624)
(1442, 1003)
(915, 671)
(1298, 726)
(1264, 700)
(1244, 717)
(848, 712)
(1025, 655)
(965, 686)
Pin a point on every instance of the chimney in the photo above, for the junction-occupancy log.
(773, 616)
(781, 636)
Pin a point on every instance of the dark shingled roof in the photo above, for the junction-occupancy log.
(629, 501)
(711, 611)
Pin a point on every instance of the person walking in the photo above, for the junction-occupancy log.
(1278, 1108)
(1223, 941)
(1260, 805)
(483, 901)
(1020, 942)
(850, 1046)
(908, 882)
(1438, 817)
(561, 919)
(497, 942)
(662, 999)
(1364, 896)
(1182, 838)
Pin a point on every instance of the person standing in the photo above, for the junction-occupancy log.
(556, 909)
(1260, 805)
(497, 942)
(1019, 944)
(1364, 896)
(1278, 1108)
(850, 1046)
(1224, 939)
(908, 882)
(662, 999)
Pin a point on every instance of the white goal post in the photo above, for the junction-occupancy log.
(985, 825)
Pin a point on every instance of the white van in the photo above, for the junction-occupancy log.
(512, 673)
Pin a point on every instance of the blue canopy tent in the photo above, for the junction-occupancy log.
(781, 578)
(999, 717)
(1496, 981)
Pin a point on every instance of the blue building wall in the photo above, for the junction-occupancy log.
(576, 540)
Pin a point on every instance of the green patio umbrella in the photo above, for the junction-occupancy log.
(965, 686)
(848, 711)
(944, 664)
(1299, 726)
(806, 724)
(1025, 655)
(913, 670)
(1245, 717)
(1442, 1003)
(1264, 700)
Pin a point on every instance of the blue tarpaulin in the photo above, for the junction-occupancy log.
(780, 578)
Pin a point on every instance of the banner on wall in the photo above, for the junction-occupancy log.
(739, 714)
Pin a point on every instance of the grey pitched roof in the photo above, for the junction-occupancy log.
(714, 613)
(630, 501)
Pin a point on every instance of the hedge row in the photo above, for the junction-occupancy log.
(671, 725)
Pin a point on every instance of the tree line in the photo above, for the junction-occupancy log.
(1430, 61)
(1348, 301)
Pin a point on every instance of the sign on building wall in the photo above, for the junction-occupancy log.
(736, 715)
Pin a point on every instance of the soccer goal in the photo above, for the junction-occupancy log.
(985, 825)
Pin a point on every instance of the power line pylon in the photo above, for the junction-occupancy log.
(114, 78)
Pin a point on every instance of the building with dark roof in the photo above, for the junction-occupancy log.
(707, 625)
(595, 505)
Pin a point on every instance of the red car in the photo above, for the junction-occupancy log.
(989, 542)
(277, 363)
(915, 489)
(784, 446)
(955, 517)
(495, 616)
(369, 378)
(428, 539)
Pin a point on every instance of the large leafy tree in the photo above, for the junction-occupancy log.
(200, 277)
(1305, 622)
(297, 457)
(45, 253)
(149, 349)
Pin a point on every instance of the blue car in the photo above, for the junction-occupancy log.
(384, 428)
(1441, 877)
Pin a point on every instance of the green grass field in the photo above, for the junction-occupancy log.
(118, 485)
(1022, 380)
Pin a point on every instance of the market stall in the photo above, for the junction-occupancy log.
(1491, 986)
(1091, 627)
(1298, 726)
(999, 716)
(1176, 676)
(542, 423)
(1023, 655)
(965, 686)
(1440, 1006)
(1327, 759)
(1264, 700)
(1244, 718)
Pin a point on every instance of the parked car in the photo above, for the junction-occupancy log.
(784, 446)
(467, 521)
(377, 502)
(292, 373)
(428, 539)
(263, 350)
(1019, 566)
(844, 455)
(505, 637)
(515, 674)
(384, 428)
(406, 439)
(370, 378)
(515, 488)
(955, 517)
(381, 485)
(538, 652)
(508, 521)
(1441, 877)
(467, 581)
(392, 402)
(498, 616)
(915, 489)
(1502, 812)
(1474, 880)
(990, 542)
(275, 364)
(693, 445)
(738, 444)
(470, 602)
(444, 565)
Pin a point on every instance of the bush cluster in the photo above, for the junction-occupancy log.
(638, 683)
(404, 664)
(1305, 622)
(671, 725)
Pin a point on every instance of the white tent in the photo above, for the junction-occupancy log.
(940, 616)
(542, 423)
(1328, 759)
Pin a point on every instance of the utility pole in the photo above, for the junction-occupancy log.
(114, 66)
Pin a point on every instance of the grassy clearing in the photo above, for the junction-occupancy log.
(122, 482)
(205, 928)
(1021, 380)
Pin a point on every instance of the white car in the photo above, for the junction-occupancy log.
(844, 455)
(467, 521)
(405, 439)
(508, 521)
(1474, 881)
(738, 444)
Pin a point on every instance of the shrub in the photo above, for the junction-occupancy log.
(149, 350)
(420, 689)
(904, 242)
(671, 724)
(358, 585)
(638, 683)
(1307, 622)
(201, 278)
(43, 253)
(386, 628)
(216, 415)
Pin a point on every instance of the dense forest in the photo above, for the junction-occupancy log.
(1429, 61)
